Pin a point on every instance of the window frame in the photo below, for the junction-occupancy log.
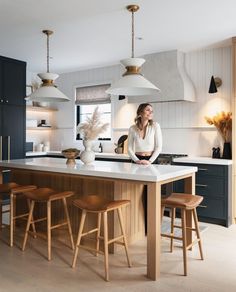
(78, 136)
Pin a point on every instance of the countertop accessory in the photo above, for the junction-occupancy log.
(71, 154)
(132, 83)
(223, 123)
(120, 144)
(216, 152)
(47, 91)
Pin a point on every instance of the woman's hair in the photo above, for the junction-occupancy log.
(138, 118)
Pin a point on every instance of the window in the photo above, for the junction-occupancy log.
(87, 99)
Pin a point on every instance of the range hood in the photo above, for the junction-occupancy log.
(167, 71)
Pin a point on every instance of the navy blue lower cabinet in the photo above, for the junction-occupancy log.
(213, 182)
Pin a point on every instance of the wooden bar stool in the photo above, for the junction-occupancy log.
(101, 206)
(9, 193)
(47, 195)
(184, 202)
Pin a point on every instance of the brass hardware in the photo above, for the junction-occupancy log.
(47, 82)
(8, 147)
(202, 169)
(218, 81)
(132, 70)
(47, 32)
(0, 147)
(132, 8)
(200, 185)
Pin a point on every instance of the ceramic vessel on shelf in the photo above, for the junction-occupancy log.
(70, 154)
(87, 156)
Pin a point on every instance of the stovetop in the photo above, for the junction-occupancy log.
(172, 155)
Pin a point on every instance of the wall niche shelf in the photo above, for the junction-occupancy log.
(40, 109)
(40, 128)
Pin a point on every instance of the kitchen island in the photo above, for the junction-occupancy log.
(114, 180)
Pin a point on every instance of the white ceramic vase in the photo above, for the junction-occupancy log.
(87, 156)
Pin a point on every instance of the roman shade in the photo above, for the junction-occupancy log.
(92, 94)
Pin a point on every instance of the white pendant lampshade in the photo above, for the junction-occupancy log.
(48, 92)
(132, 82)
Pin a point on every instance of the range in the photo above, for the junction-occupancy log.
(167, 158)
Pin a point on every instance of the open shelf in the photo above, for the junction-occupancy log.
(40, 109)
(40, 128)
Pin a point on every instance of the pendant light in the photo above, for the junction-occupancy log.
(48, 91)
(132, 82)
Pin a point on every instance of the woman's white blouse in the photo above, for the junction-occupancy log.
(152, 142)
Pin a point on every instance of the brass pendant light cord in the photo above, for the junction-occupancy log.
(48, 33)
(132, 8)
(47, 53)
(132, 55)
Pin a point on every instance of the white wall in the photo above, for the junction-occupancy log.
(183, 124)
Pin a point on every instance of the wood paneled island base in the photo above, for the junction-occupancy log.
(123, 181)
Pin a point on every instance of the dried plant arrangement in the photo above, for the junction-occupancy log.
(92, 127)
(223, 123)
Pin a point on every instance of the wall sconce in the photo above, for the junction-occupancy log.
(215, 82)
(121, 97)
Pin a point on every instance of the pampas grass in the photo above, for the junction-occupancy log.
(223, 123)
(92, 127)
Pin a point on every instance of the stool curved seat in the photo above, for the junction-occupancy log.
(178, 200)
(94, 203)
(46, 194)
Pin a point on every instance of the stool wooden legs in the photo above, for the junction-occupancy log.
(49, 225)
(184, 235)
(28, 224)
(198, 232)
(124, 235)
(106, 246)
(68, 223)
(98, 232)
(98, 237)
(183, 225)
(81, 227)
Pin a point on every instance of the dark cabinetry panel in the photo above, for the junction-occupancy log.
(12, 108)
(213, 182)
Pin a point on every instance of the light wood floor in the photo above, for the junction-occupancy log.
(30, 271)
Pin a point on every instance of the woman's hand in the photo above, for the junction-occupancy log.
(144, 162)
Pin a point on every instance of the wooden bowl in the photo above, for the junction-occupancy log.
(70, 154)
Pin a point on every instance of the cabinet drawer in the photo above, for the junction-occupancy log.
(210, 186)
(207, 169)
(212, 208)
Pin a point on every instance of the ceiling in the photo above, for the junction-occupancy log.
(91, 33)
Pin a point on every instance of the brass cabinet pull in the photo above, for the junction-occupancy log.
(8, 147)
(0, 147)
(200, 185)
(202, 169)
(202, 206)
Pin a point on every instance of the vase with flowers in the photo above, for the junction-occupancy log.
(223, 123)
(90, 129)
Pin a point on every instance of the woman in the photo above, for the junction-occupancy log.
(145, 138)
(144, 142)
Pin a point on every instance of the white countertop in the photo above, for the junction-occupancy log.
(108, 169)
(203, 160)
(97, 154)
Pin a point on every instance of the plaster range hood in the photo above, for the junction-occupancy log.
(167, 71)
